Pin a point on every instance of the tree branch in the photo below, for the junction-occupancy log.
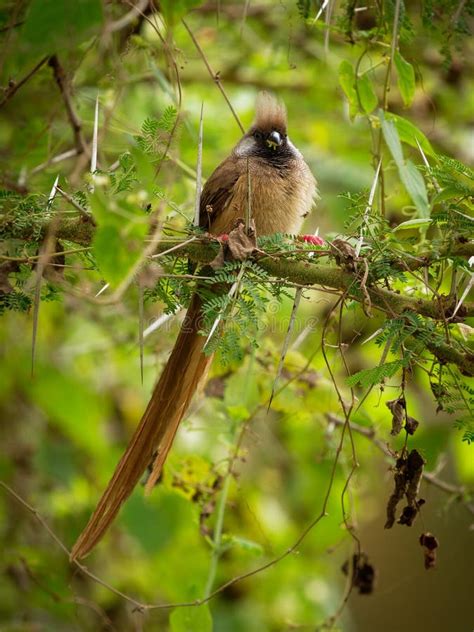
(63, 84)
(205, 249)
(14, 87)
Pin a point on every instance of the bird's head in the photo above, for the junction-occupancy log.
(267, 137)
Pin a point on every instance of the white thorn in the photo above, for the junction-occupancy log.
(54, 189)
(197, 203)
(159, 322)
(368, 208)
(318, 15)
(94, 140)
(102, 289)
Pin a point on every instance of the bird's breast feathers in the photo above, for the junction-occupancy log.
(281, 195)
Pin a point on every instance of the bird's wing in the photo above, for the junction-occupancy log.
(218, 191)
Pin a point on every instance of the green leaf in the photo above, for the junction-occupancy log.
(413, 223)
(415, 185)
(448, 193)
(72, 407)
(52, 26)
(246, 545)
(347, 82)
(409, 133)
(409, 174)
(115, 255)
(191, 619)
(174, 10)
(103, 210)
(406, 79)
(156, 523)
(367, 96)
(392, 139)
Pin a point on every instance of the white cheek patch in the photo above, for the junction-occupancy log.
(246, 147)
(292, 147)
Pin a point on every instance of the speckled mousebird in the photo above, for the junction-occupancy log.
(283, 191)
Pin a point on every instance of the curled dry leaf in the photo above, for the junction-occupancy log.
(411, 425)
(344, 253)
(430, 544)
(363, 573)
(238, 245)
(397, 407)
(241, 243)
(407, 477)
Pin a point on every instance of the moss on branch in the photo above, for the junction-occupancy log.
(205, 249)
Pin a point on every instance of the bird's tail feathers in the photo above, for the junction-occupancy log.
(154, 436)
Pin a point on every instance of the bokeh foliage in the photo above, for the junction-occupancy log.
(356, 98)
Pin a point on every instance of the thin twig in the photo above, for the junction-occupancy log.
(169, 51)
(14, 87)
(214, 76)
(64, 88)
(248, 208)
(86, 214)
(65, 550)
(370, 433)
(46, 250)
(128, 18)
(95, 140)
(368, 208)
(286, 343)
(217, 537)
(65, 155)
(197, 201)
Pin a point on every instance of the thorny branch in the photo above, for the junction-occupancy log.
(204, 250)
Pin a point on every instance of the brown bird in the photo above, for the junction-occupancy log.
(283, 191)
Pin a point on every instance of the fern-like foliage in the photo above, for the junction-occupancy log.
(155, 133)
(409, 325)
(455, 397)
(371, 377)
(124, 178)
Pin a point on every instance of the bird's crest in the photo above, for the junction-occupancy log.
(270, 113)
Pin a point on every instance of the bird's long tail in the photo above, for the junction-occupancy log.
(154, 436)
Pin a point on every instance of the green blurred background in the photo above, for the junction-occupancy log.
(64, 428)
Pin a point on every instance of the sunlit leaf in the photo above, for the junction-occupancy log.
(174, 10)
(409, 174)
(367, 96)
(415, 185)
(410, 134)
(243, 543)
(406, 78)
(115, 253)
(413, 223)
(347, 82)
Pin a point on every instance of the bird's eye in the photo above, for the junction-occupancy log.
(257, 135)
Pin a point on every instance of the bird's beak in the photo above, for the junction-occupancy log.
(274, 140)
